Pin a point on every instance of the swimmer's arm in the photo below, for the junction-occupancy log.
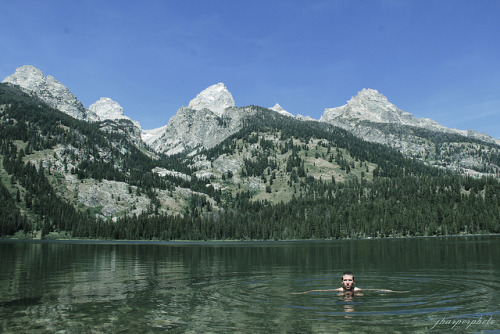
(328, 290)
(383, 290)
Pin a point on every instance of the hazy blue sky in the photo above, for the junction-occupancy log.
(438, 59)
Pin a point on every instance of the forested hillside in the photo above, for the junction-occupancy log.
(276, 178)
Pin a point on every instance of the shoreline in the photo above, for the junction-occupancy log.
(223, 242)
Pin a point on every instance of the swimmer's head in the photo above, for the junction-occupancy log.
(347, 280)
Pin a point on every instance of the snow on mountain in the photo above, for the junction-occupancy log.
(108, 109)
(150, 136)
(280, 110)
(215, 98)
(32, 81)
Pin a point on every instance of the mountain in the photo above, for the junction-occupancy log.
(212, 116)
(370, 116)
(369, 106)
(208, 119)
(280, 110)
(107, 109)
(215, 98)
(217, 171)
(64, 166)
(31, 80)
(190, 129)
(110, 118)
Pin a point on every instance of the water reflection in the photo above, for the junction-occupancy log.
(348, 300)
(245, 287)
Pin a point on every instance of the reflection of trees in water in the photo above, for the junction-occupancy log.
(58, 285)
(219, 286)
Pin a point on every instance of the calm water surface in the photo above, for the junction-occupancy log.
(451, 284)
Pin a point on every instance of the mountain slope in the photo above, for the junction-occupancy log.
(284, 178)
(32, 81)
(103, 173)
(211, 117)
(369, 115)
(236, 173)
(208, 119)
(190, 129)
(215, 98)
(369, 106)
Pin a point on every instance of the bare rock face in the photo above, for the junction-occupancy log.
(108, 109)
(369, 107)
(280, 110)
(209, 118)
(55, 94)
(150, 136)
(215, 98)
(190, 129)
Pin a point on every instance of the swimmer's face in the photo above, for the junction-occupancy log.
(348, 282)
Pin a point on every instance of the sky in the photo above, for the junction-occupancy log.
(437, 59)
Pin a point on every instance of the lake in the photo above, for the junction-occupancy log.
(447, 284)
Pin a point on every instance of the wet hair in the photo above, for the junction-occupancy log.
(347, 273)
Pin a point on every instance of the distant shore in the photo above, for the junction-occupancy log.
(225, 242)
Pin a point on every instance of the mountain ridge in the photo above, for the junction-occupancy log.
(369, 105)
(269, 177)
(49, 90)
(215, 98)
(212, 116)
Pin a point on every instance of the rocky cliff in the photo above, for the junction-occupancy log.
(370, 107)
(215, 98)
(279, 109)
(55, 94)
(108, 109)
(212, 116)
(208, 119)
(370, 116)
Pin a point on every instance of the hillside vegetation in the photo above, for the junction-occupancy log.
(276, 178)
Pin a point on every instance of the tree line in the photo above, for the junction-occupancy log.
(404, 197)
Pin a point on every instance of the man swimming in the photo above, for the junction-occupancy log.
(348, 287)
(347, 280)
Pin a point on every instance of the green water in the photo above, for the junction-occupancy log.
(249, 287)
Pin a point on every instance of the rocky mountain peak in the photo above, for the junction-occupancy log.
(280, 110)
(107, 108)
(215, 98)
(363, 111)
(368, 94)
(368, 105)
(48, 89)
(27, 76)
